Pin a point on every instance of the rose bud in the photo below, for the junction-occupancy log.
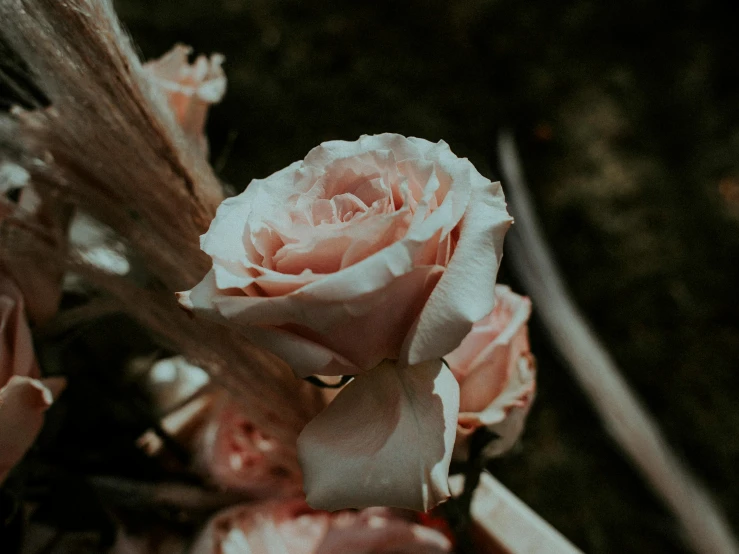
(370, 258)
(496, 373)
(190, 88)
(291, 526)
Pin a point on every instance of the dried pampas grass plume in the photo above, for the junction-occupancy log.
(109, 140)
(110, 146)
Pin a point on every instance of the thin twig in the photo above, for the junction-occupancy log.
(622, 413)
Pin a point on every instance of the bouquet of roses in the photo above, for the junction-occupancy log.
(339, 341)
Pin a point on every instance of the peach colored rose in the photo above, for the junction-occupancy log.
(233, 454)
(190, 88)
(496, 373)
(291, 526)
(385, 248)
(23, 396)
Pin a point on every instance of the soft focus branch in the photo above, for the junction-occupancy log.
(622, 412)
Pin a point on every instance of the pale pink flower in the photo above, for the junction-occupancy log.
(23, 396)
(190, 88)
(234, 454)
(292, 527)
(496, 373)
(386, 248)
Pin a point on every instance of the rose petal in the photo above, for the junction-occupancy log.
(321, 337)
(282, 527)
(23, 402)
(302, 355)
(494, 368)
(464, 294)
(189, 88)
(506, 414)
(385, 440)
(365, 533)
(16, 345)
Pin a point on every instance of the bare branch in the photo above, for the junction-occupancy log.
(622, 413)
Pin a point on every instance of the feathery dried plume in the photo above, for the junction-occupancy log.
(623, 414)
(110, 146)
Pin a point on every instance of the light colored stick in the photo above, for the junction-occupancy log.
(511, 526)
(622, 413)
(143, 495)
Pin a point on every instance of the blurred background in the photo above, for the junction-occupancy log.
(627, 116)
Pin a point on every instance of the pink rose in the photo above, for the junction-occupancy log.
(496, 373)
(386, 248)
(190, 88)
(291, 526)
(234, 454)
(228, 449)
(23, 396)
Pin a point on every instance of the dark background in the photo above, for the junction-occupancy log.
(627, 115)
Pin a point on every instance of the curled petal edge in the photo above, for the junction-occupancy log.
(385, 440)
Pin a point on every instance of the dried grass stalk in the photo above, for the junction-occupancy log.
(110, 146)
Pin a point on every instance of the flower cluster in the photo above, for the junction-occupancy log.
(376, 259)
(372, 263)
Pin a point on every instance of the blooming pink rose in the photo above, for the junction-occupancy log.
(386, 248)
(291, 526)
(368, 250)
(496, 373)
(23, 396)
(190, 88)
(234, 454)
